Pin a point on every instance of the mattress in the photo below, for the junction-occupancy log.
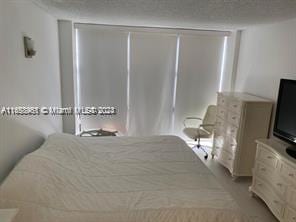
(116, 179)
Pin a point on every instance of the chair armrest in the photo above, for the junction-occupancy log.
(191, 118)
(205, 125)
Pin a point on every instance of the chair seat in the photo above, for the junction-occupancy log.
(193, 133)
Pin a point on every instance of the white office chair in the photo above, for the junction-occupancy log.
(205, 129)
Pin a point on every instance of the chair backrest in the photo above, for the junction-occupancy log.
(210, 118)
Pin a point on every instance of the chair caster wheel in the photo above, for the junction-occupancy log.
(206, 157)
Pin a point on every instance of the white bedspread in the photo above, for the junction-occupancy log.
(116, 179)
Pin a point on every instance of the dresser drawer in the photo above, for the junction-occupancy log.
(264, 172)
(230, 146)
(275, 203)
(220, 125)
(219, 122)
(219, 141)
(291, 197)
(233, 118)
(288, 172)
(267, 157)
(270, 175)
(277, 206)
(219, 131)
(280, 186)
(261, 188)
(222, 100)
(290, 215)
(231, 130)
(226, 159)
(225, 154)
(235, 105)
(221, 112)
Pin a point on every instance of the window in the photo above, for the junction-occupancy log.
(154, 77)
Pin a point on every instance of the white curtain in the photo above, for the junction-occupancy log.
(102, 75)
(154, 79)
(152, 72)
(199, 75)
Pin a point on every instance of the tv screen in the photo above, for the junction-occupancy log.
(285, 120)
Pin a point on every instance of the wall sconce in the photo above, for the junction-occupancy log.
(29, 47)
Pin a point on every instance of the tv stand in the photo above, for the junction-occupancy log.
(274, 178)
(291, 151)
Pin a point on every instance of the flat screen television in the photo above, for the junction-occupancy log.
(285, 119)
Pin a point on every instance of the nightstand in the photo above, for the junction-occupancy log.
(7, 215)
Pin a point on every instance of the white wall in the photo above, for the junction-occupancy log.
(231, 61)
(267, 53)
(27, 82)
(66, 39)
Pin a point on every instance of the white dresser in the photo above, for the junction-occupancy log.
(274, 179)
(241, 118)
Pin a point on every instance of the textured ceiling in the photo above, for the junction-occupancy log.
(224, 14)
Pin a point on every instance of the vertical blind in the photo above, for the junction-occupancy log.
(152, 59)
(102, 71)
(154, 79)
(199, 70)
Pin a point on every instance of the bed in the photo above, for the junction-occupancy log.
(116, 179)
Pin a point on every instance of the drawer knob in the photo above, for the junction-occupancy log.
(262, 168)
(276, 201)
(279, 184)
(234, 106)
(291, 175)
(269, 157)
(234, 118)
